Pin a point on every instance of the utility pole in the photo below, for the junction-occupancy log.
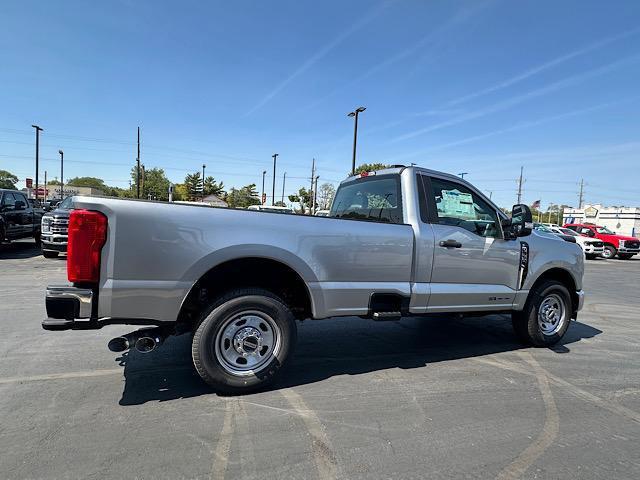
(490, 194)
(315, 191)
(462, 174)
(520, 185)
(38, 130)
(273, 190)
(355, 136)
(284, 180)
(62, 174)
(313, 174)
(203, 167)
(45, 185)
(262, 199)
(138, 167)
(142, 177)
(581, 193)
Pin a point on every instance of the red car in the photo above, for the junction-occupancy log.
(614, 244)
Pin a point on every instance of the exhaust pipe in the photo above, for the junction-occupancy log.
(125, 342)
(148, 343)
(144, 341)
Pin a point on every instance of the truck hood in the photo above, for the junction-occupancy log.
(58, 212)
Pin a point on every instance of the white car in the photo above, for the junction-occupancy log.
(591, 247)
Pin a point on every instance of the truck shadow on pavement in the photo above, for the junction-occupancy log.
(327, 348)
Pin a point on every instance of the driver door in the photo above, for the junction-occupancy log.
(474, 267)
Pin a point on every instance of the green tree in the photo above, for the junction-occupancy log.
(180, 192)
(8, 180)
(92, 182)
(193, 184)
(302, 198)
(153, 184)
(53, 182)
(370, 167)
(242, 197)
(211, 187)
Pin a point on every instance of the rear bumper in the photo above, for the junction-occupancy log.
(66, 306)
(73, 308)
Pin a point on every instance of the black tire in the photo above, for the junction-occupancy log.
(590, 256)
(526, 323)
(625, 256)
(211, 349)
(49, 253)
(609, 252)
(37, 239)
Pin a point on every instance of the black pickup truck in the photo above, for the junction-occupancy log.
(18, 217)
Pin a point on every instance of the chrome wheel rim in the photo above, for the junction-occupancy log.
(551, 314)
(247, 342)
(606, 253)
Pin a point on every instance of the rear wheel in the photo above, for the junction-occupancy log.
(625, 256)
(609, 251)
(49, 254)
(243, 341)
(546, 315)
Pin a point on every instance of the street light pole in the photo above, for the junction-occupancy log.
(273, 190)
(203, 167)
(61, 174)
(262, 199)
(38, 130)
(284, 180)
(355, 136)
(462, 174)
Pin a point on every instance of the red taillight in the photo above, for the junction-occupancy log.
(87, 235)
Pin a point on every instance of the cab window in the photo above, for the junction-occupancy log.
(375, 199)
(8, 201)
(458, 206)
(586, 231)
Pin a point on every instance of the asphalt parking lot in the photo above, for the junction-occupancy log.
(420, 398)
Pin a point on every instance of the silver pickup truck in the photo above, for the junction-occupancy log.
(398, 242)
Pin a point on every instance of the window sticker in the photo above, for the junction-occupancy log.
(456, 204)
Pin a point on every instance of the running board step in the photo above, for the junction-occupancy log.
(387, 316)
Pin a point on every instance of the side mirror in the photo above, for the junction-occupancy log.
(20, 205)
(521, 222)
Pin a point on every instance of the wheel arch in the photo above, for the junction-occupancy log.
(564, 277)
(273, 275)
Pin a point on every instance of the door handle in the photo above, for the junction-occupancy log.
(450, 244)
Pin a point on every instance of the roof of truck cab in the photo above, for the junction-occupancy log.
(398, 169)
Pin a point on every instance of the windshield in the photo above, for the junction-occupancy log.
(66, 203)
(373, 198)
(604, 230)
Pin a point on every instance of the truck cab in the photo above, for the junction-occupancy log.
(19, 218)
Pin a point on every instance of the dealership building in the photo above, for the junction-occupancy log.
(622, 220)
(53, 191)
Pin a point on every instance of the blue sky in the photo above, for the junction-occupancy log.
(461, 86)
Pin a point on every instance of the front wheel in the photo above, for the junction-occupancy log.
(546, 315)
(49, 253)
(609, 252)
(243, 341)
